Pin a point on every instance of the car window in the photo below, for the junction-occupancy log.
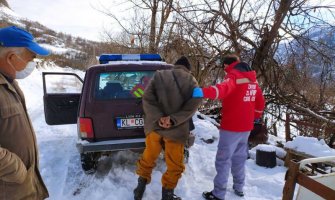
(62, 83)
(122, 85)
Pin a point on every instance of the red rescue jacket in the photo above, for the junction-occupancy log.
(242, 99)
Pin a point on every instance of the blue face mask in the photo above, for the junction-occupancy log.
(26, 71)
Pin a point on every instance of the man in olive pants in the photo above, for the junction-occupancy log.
(168, 108)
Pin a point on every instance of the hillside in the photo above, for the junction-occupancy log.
(67, 51)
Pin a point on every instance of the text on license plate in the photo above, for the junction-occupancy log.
(128, 123)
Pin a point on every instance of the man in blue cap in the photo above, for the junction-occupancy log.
(19, 174)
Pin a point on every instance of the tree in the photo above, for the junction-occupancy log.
(252, 29)
(147, 13)
(266, 33)
(273, 37)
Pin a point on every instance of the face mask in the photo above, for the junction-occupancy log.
(26, 71)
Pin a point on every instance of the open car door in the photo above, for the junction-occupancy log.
(61, 97)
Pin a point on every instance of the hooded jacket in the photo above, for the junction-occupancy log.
(242, 99)
(19, 174)
(162, 97)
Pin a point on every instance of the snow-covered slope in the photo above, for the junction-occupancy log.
(6, 14)
(65, 49)
(43, 34)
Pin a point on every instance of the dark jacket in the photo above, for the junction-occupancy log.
(163, 98)
(19, 174)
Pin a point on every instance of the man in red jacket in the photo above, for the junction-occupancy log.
(242, 103)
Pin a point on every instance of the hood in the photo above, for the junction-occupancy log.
(241, 69)
(181, 67)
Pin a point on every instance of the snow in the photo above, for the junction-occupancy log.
(311, 146)
(204, 129)
(54, 49)
(59, 49)
(8, 12)
(115, 179)
(265, 147)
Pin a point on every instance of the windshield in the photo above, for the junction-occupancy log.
(122, 85)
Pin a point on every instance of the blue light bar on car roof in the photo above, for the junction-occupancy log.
(105, 58)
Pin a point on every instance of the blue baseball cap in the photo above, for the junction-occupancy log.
(13, 36)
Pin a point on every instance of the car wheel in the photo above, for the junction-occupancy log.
(89, 162)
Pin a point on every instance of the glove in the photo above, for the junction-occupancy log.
(197, 93)
(258, 121)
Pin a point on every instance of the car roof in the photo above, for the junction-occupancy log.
(139, 62)
(141, 65)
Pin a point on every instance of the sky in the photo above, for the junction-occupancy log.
(76, 17)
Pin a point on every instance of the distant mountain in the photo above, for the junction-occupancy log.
(317, 50)
(313, 50)
(67, 50)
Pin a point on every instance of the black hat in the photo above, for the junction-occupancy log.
(183, 61)
(229, 59)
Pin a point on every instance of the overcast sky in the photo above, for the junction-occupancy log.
(76, 17)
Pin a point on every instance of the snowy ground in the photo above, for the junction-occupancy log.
(115, 179)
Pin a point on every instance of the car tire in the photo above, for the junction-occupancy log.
(89, 162)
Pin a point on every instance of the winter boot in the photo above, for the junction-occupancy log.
(139, 190)
(167, 194)
(239, 193)
(209, 196)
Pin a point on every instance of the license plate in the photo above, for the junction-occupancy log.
(129, 122)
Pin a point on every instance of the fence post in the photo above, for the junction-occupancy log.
(291, 179)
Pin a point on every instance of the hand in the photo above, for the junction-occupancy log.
(197, 93)
(165, 122)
